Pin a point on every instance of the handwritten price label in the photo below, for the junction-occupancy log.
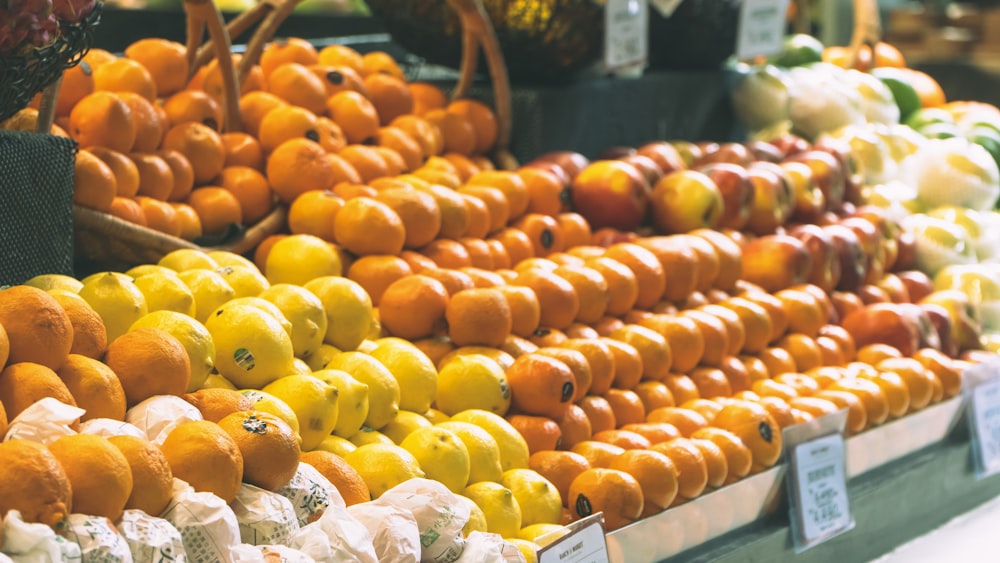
(585, 544)
(819, 491)
(626, 33)
(985, 418)
(762, 28)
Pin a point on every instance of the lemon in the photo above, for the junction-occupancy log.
(538, 498)
(503, 515)
(441, 455)
(528, 549)
(49, 282)
(116, 299)
(383, 466)
(322, 356)
(376, 330)
(210, 291)
(187, 259)
(143, 269)
(337, 445)
(436, 416)
(314, 403)
(266, 402)
(216, 381)
(513, 448)
(369, 436)
(472, 382)
(300, 366)
(499, 356)
(348, 310)
(543, 533)
(477, 520)
(305, 311)
(484, 452)
(246, 282)
(403, 424)
(367, 345)
(414, 371)
(383, 390)
(192, 335)
(252, 349)
(227, 258)
(166, 292)
(352, 400)
(267, 307)
(297, 259)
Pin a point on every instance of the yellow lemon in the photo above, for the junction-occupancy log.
(266, 402)
(246, 282)
(267, 307)
(300, 366)
(210, 291)
(348, 310)
(143, 269)
(376, 330)
(305, 311)
(472, 382)
(484, 452)
(337, 445)
(47, 282)
(477, 520)
(252, 349)
(314, 403)
(383, 390)
(436, 416)
(414, 371)
(116, 299)
(297, 259)
(216, 381)
(542, 534)
(383, 466)
(367, 345)
(352, 400)
(404, 423)
(192, 335)
(528, 549)
(513, 448)
(166, 292)
(369, 436)
(441, 455)
(538, 498)
(187, 259)
(227, 258)
(503, 515)
(499, 356)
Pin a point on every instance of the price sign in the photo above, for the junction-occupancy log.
(762, 28)
(626, 33)
(666, 8)
(586, 543)
(984, 417)
(818, 482)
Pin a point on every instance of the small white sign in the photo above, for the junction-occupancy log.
(986, 426)
(666, 8)
(626, 33)
(820, 504)
(587, 543)
(762, 28)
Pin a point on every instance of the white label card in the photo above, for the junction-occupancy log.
(762, 28)
(986, 426)
(666, 8)
(626, 33)
(587, 543)
(819, 491)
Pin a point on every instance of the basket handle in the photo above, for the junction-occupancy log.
(867, 29)
(47, 106)
(202, 15)
(477, 31)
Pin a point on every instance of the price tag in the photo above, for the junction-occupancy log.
(666, 8)
(626, 33)
(762, 28)
(818, 483)
(984, 416)
(586, 543)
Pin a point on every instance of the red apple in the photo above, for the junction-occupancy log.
(871, 244)
(611, 193)
(809, 201)
(789, 144)
(853, 180)
(906, 250)
(570, 161)
(686, 200)
(828, 174)
(966, 326)
(776, 262)
(607, 236)
(918, 284)
(895, 288)
(772, 199)
(941, 320)
(929, 337)
(550, 167)
(884, 323)
(689, 151)
(647, 166)
(853, 262)
(825, 271)
(612, 153)
(844, 303)
(737, 192)
(762, 150)
(665, 155)
(735, 153)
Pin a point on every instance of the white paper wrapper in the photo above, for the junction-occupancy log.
(98, 539)
(337, 537)
(109, 427)
(44, 422)
(265, 518)
(208, 526)
(28, 542)
(394, 531)
(246, 553)
(484, 547)
(311, 493)
(157, 416)
(151, 539)
(439, 513)
(5, 558)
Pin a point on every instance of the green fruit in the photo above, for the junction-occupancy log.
(903, 93)
(799, 49)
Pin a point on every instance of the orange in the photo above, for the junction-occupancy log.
(482, 119)
(733, 324)
(285, 50)
(652, 347)
(103, 119)
(598, 454)
(299, 86)
(337, 54)
(625, 439)
(692, 471)
(478, 316)
(649, 273)
(519, 247)
(815, 406)
(627, 406)
(480, 256)
(394, 162)
(125, 172)
(217, 209)
(623, 286)
(402, 143)
(738, 456)
(194, 105)
(779, 409)
(874, 353)
(375, 273)
(600, 413)
(94, 387)
(715, 461)
(94, 183)
(627, 361)
(547, 194)
(264, 248)
(38, 328)
(125, 75)
(389, 95)
(777, 360)
(337, 78)
(591, 288)
(152, 480)
(212, 79)
(576, 362)
(34, 483)
(149, 362)
(774, 388)
(873, 398)
(617, 494)
(686, 420)
(656, 474)
(149, 124)
(857, 415)
(457, 131)
(413, 307)
(156, 178)
(426, 134)
(380, 62)
(943, 367)
(216, 403)
(654, 394)
(574, 424)
(655, 432)
(775, 309)
(299, 165)
(77, 82)
(165, 60)
(525, 310)
(682, 387)
(201, 145)
(251, 189)
(367, 226)
(600, 358)
(368, 161)
(89, 335)
(204, 455)
(345, 478)
(576, 230)
(707, 408)
(355, 115)
(560, 468)
(269, 447)
(540, 433)
(540, 385)
(683, 336)
(160, 216)
(254, 106)
(803, 384)
(97, 57)
(928, 90)
(496, 204)
(755, 427)
(544, 233)
(453, 280)
(312, 213)
(557, 298)
(242, 149)
(99, 474)
(426, 96)
(756, 322)
(24, 383)
(182, 172)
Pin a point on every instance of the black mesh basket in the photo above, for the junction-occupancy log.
(23, 76)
